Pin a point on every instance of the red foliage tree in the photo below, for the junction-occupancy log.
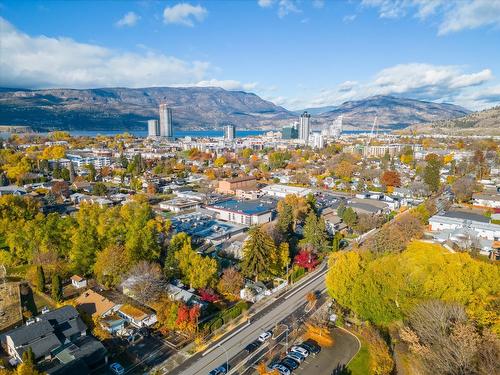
(182, 315)
(194, 314)
(306, 259)
(208, 295)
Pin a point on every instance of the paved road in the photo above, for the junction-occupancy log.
(266, 319)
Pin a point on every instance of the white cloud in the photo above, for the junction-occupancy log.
(40, 62)
(349, 18)
(184, 14)
(265, 3)
(226, 84)
(128, 20)
(318, 3)
(452, 16)
(285, 7)
(441, 83)
(471, 15)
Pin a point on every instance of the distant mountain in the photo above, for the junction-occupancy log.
(198, 108)
(316, 110)
(486, 122)
(391, 112)
(124, 108)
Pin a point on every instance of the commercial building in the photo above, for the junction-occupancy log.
(229, 132)
(153, 128)
(166, 127)
(335, 129)
(239, 183)
(246, 212)
(281, 191)
(482, 229)
(305, 127)
(177, 205)
(290, 131)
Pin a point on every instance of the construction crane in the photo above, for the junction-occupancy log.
(374, 128)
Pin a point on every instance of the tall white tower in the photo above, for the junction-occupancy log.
(153, 128)
(336, 127)
(305, 127)
(229, 132)
(166, 128)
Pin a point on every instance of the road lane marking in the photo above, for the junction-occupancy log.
(227, 338)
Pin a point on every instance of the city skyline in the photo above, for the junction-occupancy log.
(423, 50)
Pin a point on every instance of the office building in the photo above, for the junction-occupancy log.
(166, 127)
(229, 132)
(317, 140)
(305, 127)
(153, 128)
(290, 132)
(336, 128)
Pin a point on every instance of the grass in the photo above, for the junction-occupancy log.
(360, 363)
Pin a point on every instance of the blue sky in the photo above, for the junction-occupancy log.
(296, 53)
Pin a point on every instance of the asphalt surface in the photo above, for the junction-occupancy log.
(231, 345)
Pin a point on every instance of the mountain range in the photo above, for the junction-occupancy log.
(198, 108)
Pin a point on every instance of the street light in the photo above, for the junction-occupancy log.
(227, 357)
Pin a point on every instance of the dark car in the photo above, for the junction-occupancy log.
(221, 370)
(311, 346)
(253, 346)
(290, 364)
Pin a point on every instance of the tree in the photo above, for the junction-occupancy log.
(306, 259)
(57, 289)
(390, 179)
(220, 161)
(60, 188)
(283, 257)
(40, 279)
(259, 254)
(315, 235)
(349, 217)
(285, 219)
(344, 170)
(445, 342)
(299, 206)
(432, 171)
(28, 356)
(177, 242)
(100, 189)
(110, 265)
(336, 241)
(196, 270)
(231, 283)
(145, 282)
(463, 188)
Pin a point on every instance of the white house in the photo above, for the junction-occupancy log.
(137, 316)
(484, 230)
(78, 282)
(486, 200)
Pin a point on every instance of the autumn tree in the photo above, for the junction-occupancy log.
(306, 259)
(111, 264)
(390, 179)
(259, 254)
(196, 270)
(463, 188)
(177, 242)
(432, 171)
(231, 283)
(344, 170)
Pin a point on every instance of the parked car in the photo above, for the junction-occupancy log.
(300, 350)
(290, 363)
(253, 346)
(265, 336)
(117, 369)
(221, 370)
(297, 357)
(281, 369)
(311, 346)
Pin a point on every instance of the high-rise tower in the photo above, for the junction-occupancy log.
(229, 132)
(305, 127)
(166, 128)
(153, 128)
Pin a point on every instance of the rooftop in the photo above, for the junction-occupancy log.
(246, 207)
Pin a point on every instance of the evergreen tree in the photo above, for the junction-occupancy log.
(315, 235)
(259, 254)
(432, 173)
(57, 290)
(285, 219)
(336, 242)
(56, 172)
(72, 173)
(4, 181)
(65, 175)
(40, 279)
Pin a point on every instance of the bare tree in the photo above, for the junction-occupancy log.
(145, 282)
(463, 188)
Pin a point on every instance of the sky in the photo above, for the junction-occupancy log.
(295, 53)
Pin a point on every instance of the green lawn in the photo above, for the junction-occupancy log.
(360, 364)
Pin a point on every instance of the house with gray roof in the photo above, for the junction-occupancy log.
(53, 337)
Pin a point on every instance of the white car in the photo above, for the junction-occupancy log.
(281, 369)
(304, 353)
(265, 336)
(296, 356)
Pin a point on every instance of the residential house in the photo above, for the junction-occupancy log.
(57, 339)
(138, 316)
(490, 200)
(94, 304)
(78, 281)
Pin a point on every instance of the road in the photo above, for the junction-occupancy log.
(266, 319)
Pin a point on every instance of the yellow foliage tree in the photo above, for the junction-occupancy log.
(53, 152)
(319, 334)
